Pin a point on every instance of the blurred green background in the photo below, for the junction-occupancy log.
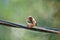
(46, 12)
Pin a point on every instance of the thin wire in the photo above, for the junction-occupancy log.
(40, 29)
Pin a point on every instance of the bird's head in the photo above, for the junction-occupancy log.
(30, 18)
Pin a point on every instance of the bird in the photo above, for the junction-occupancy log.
(31, 22)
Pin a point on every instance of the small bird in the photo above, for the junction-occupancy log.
(31, 22)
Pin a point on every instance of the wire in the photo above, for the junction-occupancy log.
(40, 29)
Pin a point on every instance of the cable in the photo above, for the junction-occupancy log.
(40, 29)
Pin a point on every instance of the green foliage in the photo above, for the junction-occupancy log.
(46, 12)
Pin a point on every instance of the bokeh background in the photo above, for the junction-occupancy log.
(46, 12)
